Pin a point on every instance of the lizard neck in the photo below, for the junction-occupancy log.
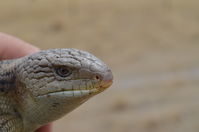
(7, 76)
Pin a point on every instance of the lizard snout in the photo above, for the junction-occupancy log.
(106, 79)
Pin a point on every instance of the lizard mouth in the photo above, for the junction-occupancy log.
(71, 93)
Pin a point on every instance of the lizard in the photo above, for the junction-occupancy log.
(42, 87)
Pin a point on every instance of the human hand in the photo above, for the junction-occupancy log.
(11, 47)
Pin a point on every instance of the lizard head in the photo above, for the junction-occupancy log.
(57, 81)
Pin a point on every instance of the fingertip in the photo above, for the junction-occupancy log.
(12, 47)
(46, 128)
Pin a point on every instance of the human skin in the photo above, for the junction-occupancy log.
(11, 47)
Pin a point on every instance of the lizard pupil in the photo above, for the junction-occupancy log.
(63, 71)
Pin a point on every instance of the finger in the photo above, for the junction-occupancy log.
(46, 128)
(11, 47)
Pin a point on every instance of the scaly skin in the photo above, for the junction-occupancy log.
(42, 87)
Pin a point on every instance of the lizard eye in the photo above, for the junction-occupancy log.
(63, 71)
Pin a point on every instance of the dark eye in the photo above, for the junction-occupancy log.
(63, 71)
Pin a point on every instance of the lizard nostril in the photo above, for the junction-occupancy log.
(97, 77)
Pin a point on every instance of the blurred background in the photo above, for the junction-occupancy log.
(151, 46)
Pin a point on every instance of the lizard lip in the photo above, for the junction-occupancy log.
(70, 93)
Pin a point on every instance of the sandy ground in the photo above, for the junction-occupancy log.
(151, 46)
